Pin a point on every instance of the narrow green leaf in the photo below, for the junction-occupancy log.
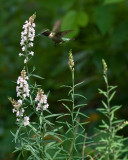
(111, 88)
(80, 105)
(48, 145)
(68, 130)
(115, 108)
(77, 113)
(104, 104)
(67, 100)
(80, 96)
(12, 133)
(19, 155)
(56, 153)
(112, 95)
(66, 107)
(63, 115)
(105, 79)
(79, 83)
(66, 86)
(112, 116)
(52, 115)
(69, 92)
(102, 92)
(33, 152)
(84, 115)
(34, 75)
(17, 132)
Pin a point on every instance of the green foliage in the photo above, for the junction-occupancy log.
(113, 1)
(75, 127)
(103, 18)
(75, 20)
(111, 144)
(91, 44)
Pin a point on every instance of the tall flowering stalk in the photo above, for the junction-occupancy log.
(72, 134)
(111, 145)
(30, 135)
(22, 88)
(27, 38)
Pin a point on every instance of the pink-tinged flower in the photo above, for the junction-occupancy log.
(13, 110)
(45, 106)
(22, 88)
(41, 98)
(17, 119)
(26, 121)
(17, 113)
(22, 110)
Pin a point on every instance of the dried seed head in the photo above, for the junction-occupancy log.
(104, 66)
(12, 101)
(40, 92)
(71, 61)
(32, 18)
(41, 98)
(23, 74)
(16, 104)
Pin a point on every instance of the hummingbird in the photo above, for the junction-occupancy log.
(56, 35)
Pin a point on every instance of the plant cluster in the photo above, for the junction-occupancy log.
(41, 139)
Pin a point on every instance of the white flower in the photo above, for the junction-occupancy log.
(26, 121)
(25, 61)
(23, 48)
(20, 54)
(19, 101)
(31, 53)
(30, 45)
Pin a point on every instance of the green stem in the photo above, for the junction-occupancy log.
(111, 151)
(42, 132)
(72, 115)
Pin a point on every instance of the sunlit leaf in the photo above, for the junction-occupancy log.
(82, 18)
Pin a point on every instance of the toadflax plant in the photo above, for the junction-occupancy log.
(75, 136)
(37, 138)
(32, 138)
(111, 146)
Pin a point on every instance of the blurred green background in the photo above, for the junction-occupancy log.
(100, 29)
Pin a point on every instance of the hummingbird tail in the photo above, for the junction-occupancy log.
(72, 39)
(38, 34)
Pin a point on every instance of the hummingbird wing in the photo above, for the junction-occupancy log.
(61, 34)
(56, 27)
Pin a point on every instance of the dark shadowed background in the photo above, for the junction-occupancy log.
(100, 29)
